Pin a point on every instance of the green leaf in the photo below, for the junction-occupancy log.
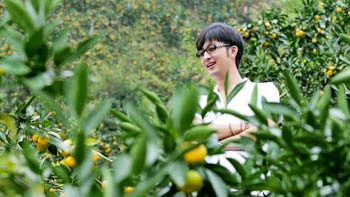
(47, 5)
(62, 56)
(254, 98)
(287, 135)
(142, 122)
(35, 42)
(14, 67)
(83, 47)
(144, 187)
(61, 50)
(50, 29)
(226, 84)
(160, 108)
(32, 157)
(228, 177)
(323, 106)
(110, 190)
(139, 154)
(20, 15)
(78, 91)
(345, 59)
(50, 103)
(153, 152)
(129, 127)
(153, 97)
(217, 183)
(312, 139)
(345, 38)
(342, 101)
(62, 173)
(198, 133)
(80, 147)
(293, 88)
(38, 16)
(212, 98)
(177, 172)
(184, 106)
(271, 184)
(17, 41)
(96, 116)
(9, 121)
(50, 5)
(238, 166)
(162, 112)
(123, 162)
(91, 141)
(235, 91)
(36, 4)
(263, 135)
(232, 112)
(121, 116)
(260, 114)
(342, 77)
(38, 82)
(280, 109)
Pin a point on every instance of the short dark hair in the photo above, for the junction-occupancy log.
(221, 32)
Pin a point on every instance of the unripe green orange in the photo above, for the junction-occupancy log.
(193, 183)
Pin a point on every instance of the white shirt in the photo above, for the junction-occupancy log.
(240, 102)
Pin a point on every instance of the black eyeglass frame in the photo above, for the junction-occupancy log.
(211, 49)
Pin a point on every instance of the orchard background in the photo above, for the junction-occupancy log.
(96, 98)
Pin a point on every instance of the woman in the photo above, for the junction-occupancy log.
(220, 50)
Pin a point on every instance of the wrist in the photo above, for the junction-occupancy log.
(244, 126)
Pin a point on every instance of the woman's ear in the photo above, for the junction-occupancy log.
(234, 51)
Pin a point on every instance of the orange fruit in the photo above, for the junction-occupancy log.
(128, 190)
(196, 155)
(273, 35)
(65, 153)
(339, 9)
(317, 17)
(329, 73)
(42, 143)
(246, 34)
(70, 161)
(265, 44)
(299, 33)
(193, 183)
(94, 156)
(267, 24)
(35, 137)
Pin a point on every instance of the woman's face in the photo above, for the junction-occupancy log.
(217, 57)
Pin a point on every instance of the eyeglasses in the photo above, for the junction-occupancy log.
(211, 49)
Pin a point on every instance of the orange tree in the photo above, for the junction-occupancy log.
(47, 150)
(306, 44)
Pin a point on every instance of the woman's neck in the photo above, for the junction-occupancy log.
(234, 79)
